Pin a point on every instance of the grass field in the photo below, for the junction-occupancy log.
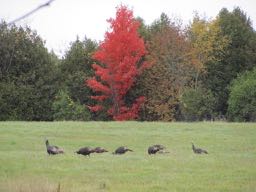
(229, 166)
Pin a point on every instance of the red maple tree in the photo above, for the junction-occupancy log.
(120, 57)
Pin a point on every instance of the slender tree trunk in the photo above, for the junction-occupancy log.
(196, 80)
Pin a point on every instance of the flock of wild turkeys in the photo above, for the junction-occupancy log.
(53, 150)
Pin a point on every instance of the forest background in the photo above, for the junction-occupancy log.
(203, 71)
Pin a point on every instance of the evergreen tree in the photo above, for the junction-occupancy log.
(76, 69)
(27, 75)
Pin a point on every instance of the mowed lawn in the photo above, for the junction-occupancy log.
(229, 166)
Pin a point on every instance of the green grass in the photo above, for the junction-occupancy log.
(230, 165)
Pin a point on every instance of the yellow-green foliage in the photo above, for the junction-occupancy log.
(206, 41)
(64, 108)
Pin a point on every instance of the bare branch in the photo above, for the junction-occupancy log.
(31, 12)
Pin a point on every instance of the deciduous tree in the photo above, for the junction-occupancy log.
(207, 43)
(163, 83)
(120, 55)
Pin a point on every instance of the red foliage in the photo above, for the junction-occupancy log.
(127, 113)
(119, 54)
(95, 108)
(99, 97)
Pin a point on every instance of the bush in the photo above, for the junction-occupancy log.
(66, 109)
(197, 104)
(242, 99)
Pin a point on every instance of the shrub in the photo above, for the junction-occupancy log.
(197, 104)
(242, 99)
(66, 109)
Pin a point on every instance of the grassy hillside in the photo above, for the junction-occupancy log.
(25, 165)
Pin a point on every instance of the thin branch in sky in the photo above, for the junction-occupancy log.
(31, 12)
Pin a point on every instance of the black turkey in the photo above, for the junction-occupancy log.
(86, 151)
(152, 150)
(156, 148)
(52, 150)
(121, 150)
(198, 150)
(100, 150)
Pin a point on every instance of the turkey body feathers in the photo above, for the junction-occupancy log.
(100, 150)
(156, 148)
(53, 150)
(86, 151)
(121, 150)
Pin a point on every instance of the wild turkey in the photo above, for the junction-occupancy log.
(198, 150)
(156, 148)
(52, 150)
(121, 150)
(100, 150)
(152, 150)
(86, 151)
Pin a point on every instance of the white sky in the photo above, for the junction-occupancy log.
(60, 23)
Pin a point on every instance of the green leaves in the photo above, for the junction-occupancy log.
(76, 67)
(197, 104)
(65, 108)
(242, 100)
(236, 58)
(27, 74)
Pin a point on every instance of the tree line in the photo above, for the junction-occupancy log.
(204, 71)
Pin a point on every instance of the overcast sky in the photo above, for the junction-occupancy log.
(60, 23)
